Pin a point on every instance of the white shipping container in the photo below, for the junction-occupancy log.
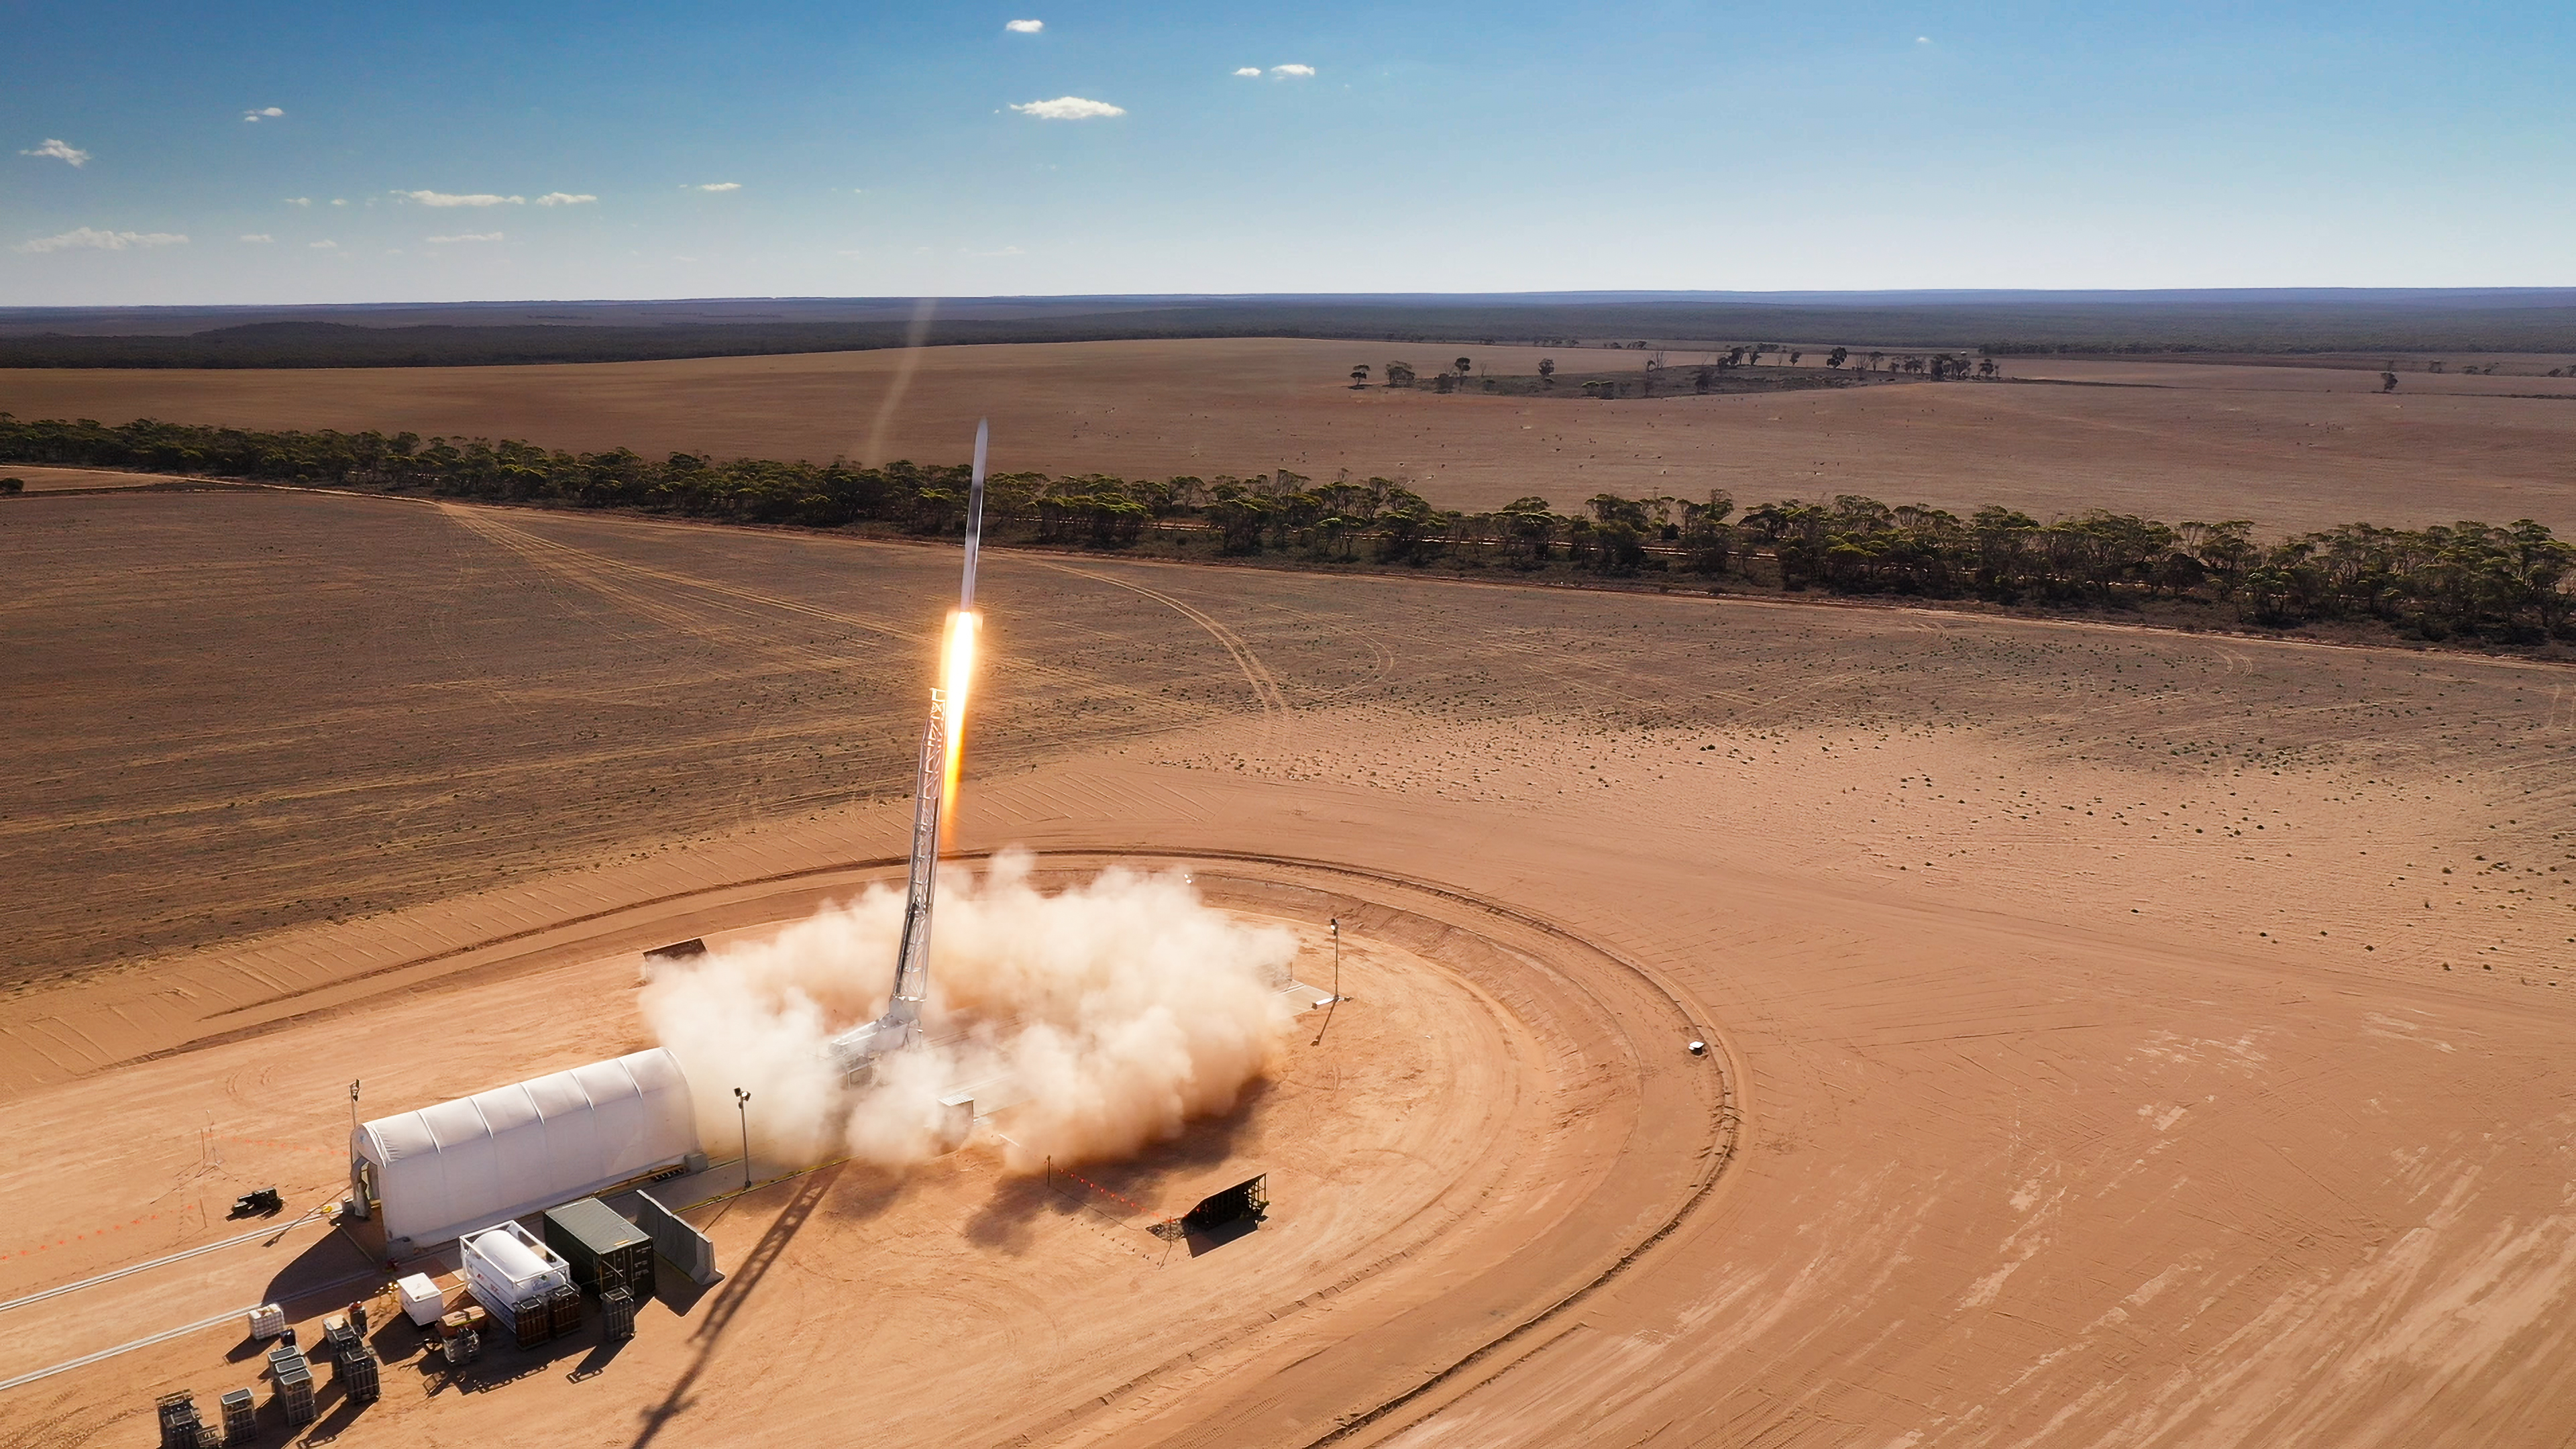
(506, 1265)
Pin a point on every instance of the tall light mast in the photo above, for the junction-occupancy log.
(856, 1051)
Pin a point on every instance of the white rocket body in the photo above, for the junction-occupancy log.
(855, 1052)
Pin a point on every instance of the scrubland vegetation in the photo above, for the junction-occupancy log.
(2469, 581)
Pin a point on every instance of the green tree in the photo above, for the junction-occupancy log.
(1530, 528)
(1240, 516)
(1707, 539)
(1838, 357)
(1399, 374)
(1360, 375)
(1547, 371)
(1408, 528)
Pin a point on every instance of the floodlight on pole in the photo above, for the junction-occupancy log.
(742, 1108)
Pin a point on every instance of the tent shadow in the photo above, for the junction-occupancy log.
(326, 1263)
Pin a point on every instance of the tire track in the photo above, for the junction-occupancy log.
(593, 570)
(1265, 685)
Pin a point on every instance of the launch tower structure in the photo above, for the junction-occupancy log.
(855, 1052)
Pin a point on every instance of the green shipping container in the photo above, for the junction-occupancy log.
(605, 1250)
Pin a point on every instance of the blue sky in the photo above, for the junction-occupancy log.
(881, 150)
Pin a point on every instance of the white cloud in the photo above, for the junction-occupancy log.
(443, 198)
(566, 198)
(258, 236)
(721, 186)
(1923, 40)
(470, 236)
(299, 201)
(324, 246)
(1025, 27)
(264, 112)
(105, 241)
(1300, 70)
(60, 151)
(1247, 70)
(1069, 108)
(343, 201)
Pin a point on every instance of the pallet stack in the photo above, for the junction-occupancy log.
(532, 1321)
(617, 1310)
(293, 1376)
(241, 1417)
(359, 1375)
(340, 1338)
(178, 1420)
(564, 1308)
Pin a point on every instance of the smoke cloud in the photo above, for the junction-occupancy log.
(1097, 1020)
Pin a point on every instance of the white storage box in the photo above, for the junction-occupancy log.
(267, 1321)
(422, 1303)
(506, 1265)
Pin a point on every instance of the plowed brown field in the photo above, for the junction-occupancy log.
(2291, 448)
(2122, 1038)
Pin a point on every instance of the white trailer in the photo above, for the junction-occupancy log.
(515, 1150)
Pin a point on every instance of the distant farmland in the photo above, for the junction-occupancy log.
(2293, 447)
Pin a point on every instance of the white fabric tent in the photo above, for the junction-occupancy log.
(466, 1164)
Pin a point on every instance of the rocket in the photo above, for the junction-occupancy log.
(855, 1052)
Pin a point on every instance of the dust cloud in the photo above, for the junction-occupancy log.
(1097, 1019)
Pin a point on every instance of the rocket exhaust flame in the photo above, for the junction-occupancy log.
(956, 673)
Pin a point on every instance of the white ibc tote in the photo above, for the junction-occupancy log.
(515, 1150)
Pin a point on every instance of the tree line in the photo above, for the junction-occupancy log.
(2503, 583)
(1714, 365)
